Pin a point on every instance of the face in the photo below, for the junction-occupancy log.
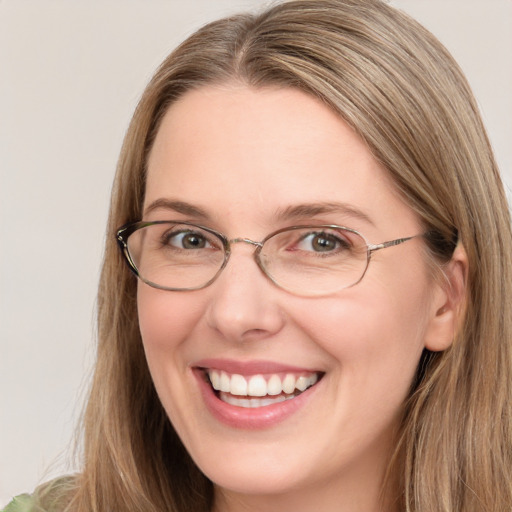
(241, 161)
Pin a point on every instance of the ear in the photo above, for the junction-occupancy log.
(448, 303)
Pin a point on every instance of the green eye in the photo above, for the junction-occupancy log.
(322, 242)
(187, 240)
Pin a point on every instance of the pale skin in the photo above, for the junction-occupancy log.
(241, 156)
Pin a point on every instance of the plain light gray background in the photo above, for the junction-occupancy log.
(70, 76)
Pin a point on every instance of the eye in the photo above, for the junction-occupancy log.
(322, 242)
(186, 240)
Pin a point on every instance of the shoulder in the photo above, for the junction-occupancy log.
(49, 497)
(21, 503)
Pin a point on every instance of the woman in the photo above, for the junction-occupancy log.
(321, 315)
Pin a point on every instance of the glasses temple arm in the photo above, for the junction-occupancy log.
(390, 243)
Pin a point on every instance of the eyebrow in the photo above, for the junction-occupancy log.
(290, 213)
(315, 209)
(177, 206)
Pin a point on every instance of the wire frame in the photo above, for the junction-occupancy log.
(183, 256)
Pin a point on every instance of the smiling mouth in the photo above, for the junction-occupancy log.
(259, 390)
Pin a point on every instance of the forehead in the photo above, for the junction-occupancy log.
(236, 151)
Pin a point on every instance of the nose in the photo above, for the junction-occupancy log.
(244, 304)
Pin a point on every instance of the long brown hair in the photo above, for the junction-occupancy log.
(397, 86)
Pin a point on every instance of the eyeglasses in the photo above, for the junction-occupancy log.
(309, 260)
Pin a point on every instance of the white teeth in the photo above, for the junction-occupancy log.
(259, 386)
(252, 403)
(215, 380)
(302, 383)
(238, 385)
(274, 386)
(225, 383)
(289, 383)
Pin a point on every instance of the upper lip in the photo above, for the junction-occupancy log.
(253, 367)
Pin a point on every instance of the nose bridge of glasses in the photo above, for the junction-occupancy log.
(245, 241)
(240, 240)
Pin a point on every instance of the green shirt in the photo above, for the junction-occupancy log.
(21, 503)
(49, 497)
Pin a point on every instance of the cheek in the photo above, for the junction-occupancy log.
(165, 318)
(375, 338)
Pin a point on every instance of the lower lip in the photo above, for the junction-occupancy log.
(250, 418)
